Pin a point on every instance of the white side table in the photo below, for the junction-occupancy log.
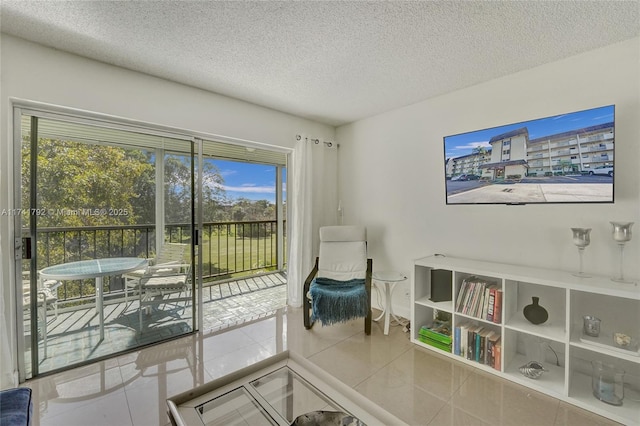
(389, 279)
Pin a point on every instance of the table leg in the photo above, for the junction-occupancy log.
(387, 309)
(99, 309)
(384, 309)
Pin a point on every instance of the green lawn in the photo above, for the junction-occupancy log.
(228, 256)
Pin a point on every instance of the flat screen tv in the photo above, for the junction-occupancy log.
(566, 158)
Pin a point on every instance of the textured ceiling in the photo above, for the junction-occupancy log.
(334, 62)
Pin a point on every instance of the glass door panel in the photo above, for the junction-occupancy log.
(90, 194)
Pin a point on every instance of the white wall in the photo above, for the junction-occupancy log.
(392, 177)
(36, 73)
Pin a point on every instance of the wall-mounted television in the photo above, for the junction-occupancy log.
(566, 158)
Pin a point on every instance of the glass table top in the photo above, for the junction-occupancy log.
(93, 268)
(285, 392)
(389, 276)
(285, 389)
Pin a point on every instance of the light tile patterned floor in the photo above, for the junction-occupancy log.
(416, 385)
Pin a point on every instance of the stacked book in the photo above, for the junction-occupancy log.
(478, 343)
(437, 335)
(481, 299)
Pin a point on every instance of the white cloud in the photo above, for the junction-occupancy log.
(471, 145)
(250, 188)
(228, 172)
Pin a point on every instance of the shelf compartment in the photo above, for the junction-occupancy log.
(551, 381)
(474, 298)
(520, 348)
(424, 316)
(581, 393)
(580, 389)
(423, 290)
(553, 299)
(477, 342)
(617, 315)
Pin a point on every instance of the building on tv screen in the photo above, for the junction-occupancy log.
(565, 158)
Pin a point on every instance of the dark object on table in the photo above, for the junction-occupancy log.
(535, 313)
(326, 418)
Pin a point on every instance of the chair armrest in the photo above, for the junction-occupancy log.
(168, 268)
(306, 305)
(310, 277)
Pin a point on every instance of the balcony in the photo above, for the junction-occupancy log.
(241, 281)
(229, 249)
(72, 333)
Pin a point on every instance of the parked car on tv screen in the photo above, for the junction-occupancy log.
(466, 177)
(602, 170)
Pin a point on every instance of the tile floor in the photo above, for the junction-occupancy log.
(416, 385)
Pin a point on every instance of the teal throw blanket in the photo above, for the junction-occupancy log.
(338, 301)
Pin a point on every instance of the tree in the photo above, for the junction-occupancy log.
(87, 185)
(480, 150)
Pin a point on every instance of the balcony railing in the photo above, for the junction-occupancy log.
(227, 248)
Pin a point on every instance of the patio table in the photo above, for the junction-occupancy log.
(94, 268)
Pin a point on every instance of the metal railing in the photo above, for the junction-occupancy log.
(227, 249)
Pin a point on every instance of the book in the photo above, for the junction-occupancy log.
(488, 346)
(497, 352)
(471, 342)
(474, 302)
(485, 303)
(477, 312)
(497, 310)
(435, 343)
(482, 350)
(478, 343)
(456, 341)
(491, 349)
(491, 305)
(464, 288)
(439, 331)
(468, 298)
(463, 340)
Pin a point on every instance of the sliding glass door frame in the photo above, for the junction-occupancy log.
(198, 154)
(25, 249)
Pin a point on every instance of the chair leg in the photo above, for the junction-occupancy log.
(306, 311)
(367, 324)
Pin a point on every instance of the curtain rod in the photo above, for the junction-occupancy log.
(316, 141)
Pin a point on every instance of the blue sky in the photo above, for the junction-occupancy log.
(463, 144)
(246, 180)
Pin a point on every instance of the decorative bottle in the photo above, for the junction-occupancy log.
(534, 313)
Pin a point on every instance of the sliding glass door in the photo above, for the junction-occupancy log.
(109, 258)
(130, 235)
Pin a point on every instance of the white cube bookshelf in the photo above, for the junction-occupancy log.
(567, 299)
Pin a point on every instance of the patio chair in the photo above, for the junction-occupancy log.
(338, 289)
(168, 261)
(46, 298)
(46, 290)
(154, 286)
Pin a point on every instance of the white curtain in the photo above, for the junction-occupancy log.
(313, 204)
(300, 241)
(7, 370)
